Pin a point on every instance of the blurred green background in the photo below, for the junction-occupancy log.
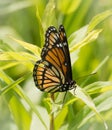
(28, 20)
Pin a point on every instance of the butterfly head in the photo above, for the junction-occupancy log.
(72, 84)
(68, 86)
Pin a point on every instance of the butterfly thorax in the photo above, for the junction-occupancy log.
(67, 86)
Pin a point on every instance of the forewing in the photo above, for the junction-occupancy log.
(64, 42)
(53, 50)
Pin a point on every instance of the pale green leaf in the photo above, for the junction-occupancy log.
(13, 84)
(20, 92)
(99, 87)
(4, 46)
(103, 103)
(89, 38)
(81, 94)
(32, 48)
(77, 36)
(98, 19)
(21, 116)
(104, 61)
(40, 25)
(15, 6)
(60, 118)
(14, 103)
(68, 6)
(5, 64)
(49, 16)
(14, 58)
(18, 56)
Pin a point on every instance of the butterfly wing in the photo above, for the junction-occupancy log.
(64, 41)
(47, 77)
(56, 50)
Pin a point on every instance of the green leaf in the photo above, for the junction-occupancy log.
(5, 64)
(15, 6)
(41, 31)
(15, 58)
(81, 94)
(79, 39)
(104, 61)
(13, 84)
(75, 20)
(60, 118)
(32, 48)
(99, 87)
(98, 19)
(21, 116)
(77, 36)
(49, 11)
(18, 91)
(68, 6)
(10, 59)
(89, 38)
(103, 101)
(4, 46)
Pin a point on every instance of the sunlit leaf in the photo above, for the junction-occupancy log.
(88, 101)
(104, 61)
(13, 84)
(77, 36)
(60, 118)
(32, 48)
(20, 92)
(15, 105)
(21, 115)
(89, 38)
(15, 7)
(4, 46)
(49, 11)
(6, 65)
(98, 87)
(68, 6)
(41, 33)
(14, 58)
(98, 19)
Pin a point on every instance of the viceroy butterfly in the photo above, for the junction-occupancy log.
(53, 72)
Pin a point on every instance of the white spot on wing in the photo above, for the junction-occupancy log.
(60, 45)
(64, 43)
(57, 45)
(47, 34)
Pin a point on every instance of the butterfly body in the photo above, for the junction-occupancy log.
(53, 72)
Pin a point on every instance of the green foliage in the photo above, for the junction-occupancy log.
(91, 102)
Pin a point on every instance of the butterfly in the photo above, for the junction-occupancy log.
(53, 73)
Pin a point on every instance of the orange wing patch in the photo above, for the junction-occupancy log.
(46, 77)
(56, 58)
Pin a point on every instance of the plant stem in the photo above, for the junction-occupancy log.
(52, 115)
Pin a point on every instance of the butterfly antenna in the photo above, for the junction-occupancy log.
(86, 75)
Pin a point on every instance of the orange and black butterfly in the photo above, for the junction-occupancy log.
(53, 72)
